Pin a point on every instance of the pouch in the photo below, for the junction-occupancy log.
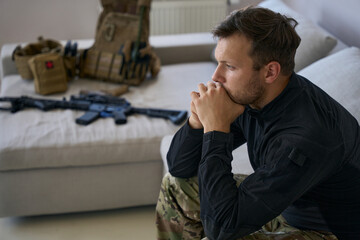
(49, 73)
(22, 55)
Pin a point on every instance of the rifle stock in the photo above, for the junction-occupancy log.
(174, 116)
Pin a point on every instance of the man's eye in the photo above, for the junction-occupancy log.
(230, 67)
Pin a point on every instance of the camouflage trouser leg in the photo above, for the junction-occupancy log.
(278, 229)
(178, 209)
(178, 215)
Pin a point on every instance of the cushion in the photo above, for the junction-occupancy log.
(34, 139)
(338, 75)
(315, 43)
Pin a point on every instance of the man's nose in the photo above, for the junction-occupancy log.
(217, 76)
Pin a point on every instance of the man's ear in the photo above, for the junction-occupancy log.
(272, 71)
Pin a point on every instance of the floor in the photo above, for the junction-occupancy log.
(131, 223)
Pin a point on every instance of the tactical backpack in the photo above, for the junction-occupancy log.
(121, 52)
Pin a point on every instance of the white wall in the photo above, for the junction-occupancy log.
(25, 20)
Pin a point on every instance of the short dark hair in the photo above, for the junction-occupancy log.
(273, 36)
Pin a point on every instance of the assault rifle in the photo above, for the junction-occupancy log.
(95, 105)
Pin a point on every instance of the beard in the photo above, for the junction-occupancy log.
(252, 93)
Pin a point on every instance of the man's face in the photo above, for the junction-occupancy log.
(235, 70)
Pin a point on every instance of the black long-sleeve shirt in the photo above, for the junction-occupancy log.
(304, 148)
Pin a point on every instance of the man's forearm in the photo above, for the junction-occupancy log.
(224, 206)
(185, 152)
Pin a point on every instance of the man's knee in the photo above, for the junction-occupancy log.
(187, 186)
(183, 191)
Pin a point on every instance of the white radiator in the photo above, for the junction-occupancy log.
(186, 16)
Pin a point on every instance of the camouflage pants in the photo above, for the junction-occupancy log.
(178, 215)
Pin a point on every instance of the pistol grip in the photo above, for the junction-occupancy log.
(119, 117)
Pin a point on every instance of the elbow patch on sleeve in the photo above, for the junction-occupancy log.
(297, 157)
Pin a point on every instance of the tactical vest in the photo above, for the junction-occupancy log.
(121, 52)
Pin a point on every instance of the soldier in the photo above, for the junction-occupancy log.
(303, 145)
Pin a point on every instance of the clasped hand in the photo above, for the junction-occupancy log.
(213, 109)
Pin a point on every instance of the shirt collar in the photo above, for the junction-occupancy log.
(276, 106)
